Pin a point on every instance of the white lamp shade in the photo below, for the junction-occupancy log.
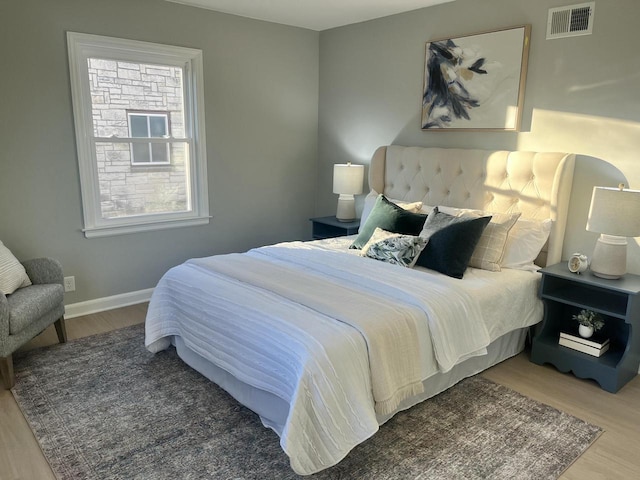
(348, 178)
(615, 211)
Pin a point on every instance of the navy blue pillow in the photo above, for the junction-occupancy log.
(390, 217)
(450, 248)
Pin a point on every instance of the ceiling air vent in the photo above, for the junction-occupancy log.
(570, 21)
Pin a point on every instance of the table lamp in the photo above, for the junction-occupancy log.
(347, 181)
(615, 215)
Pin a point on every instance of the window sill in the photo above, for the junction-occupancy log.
(108, 231)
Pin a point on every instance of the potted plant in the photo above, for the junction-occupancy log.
(589, 321)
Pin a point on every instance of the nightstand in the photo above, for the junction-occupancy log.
(618, 301)
(329, 227)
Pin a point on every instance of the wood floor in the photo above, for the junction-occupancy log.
(615, 455)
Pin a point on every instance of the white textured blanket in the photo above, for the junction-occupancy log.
(455, 322)
(392, 346)
(335, 335)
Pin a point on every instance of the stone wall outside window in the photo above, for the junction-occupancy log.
(117, 88)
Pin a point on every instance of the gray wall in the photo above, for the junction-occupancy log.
(582, 95)
(261, 94)
(283, 105)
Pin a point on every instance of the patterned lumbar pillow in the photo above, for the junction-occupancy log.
(394, 248)
(12, 273)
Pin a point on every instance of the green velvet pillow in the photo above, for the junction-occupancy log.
(451, 242)
(390, 217)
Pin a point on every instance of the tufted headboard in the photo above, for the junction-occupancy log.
(534, 183)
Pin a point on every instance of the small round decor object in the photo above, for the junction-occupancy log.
(578, 263)
(585, 331)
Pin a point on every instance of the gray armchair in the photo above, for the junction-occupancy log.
(29, 310)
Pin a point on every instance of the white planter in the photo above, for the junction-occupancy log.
(585, 331)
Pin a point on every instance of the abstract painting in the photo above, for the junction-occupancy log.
(476, 82)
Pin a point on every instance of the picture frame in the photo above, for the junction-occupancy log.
(476, 82)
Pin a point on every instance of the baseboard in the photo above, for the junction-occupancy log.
(107, 303)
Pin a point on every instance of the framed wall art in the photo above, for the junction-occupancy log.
(476, 82)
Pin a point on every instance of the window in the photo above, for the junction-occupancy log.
(139, 118)
(149, 125)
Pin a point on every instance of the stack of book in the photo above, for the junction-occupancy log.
(593, 345)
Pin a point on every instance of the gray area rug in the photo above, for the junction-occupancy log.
(104, 408)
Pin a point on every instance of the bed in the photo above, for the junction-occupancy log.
(326, 344)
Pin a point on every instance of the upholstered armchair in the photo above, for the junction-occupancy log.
(29, 310)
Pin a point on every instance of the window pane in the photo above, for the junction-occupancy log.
(159, 153)
(129, 190)
(138, 124)
(141, 153)
(158, 126)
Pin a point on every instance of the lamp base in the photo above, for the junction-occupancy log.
(346, 208)
(609, 257)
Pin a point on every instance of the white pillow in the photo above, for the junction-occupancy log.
(12, 273)
(526, 239)
(370, 200)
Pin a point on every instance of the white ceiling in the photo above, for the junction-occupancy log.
(312, 14)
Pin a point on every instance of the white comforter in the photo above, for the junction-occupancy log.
(337, 336)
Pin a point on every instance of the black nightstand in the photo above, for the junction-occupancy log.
(618, 301)
(329, 227)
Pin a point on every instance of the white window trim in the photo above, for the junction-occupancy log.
(84, 46)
